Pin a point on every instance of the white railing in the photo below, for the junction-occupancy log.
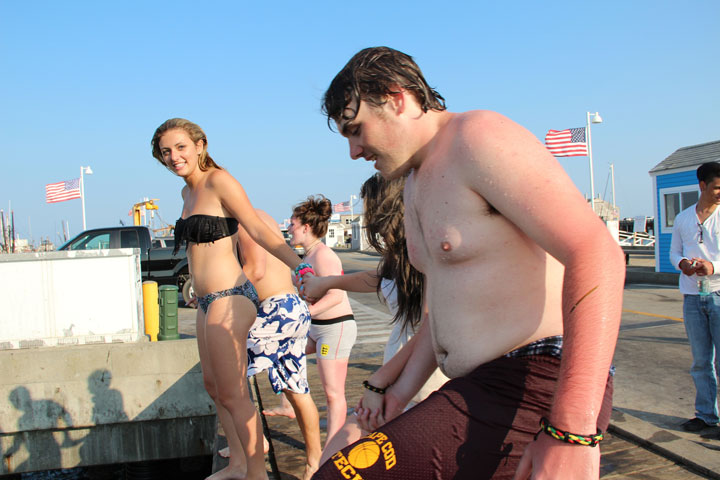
(636, 239)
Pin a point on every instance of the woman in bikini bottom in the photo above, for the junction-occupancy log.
(214, 204)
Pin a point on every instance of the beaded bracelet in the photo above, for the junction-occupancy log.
(303, 269)
(587, 440)
(301, 266)
(373, 388)
(306, 270)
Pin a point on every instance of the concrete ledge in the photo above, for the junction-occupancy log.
(675, 448)
(40, 450)
(105, 403)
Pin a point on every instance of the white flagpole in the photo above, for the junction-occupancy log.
(592, 180)
(89, 171)
(612, 176)
(352, 219)
(595, 119)
(82, 195)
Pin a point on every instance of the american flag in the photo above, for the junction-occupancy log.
(341, 207)
(567, 143)
(61, 191)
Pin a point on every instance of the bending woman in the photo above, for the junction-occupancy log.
(333, 329)
(278, 338)
(213, 205)
(395, 281)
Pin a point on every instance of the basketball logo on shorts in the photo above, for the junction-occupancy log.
(364, 455)
(324, 349)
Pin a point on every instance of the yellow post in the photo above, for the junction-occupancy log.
(151, 309)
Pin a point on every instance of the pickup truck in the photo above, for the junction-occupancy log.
(157, 262)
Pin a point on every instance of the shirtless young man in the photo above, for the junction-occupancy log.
(277, 340)
(483, 201)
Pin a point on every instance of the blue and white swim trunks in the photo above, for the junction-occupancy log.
(277, 340)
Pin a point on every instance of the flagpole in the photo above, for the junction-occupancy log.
(592, 181)
(87, 170)
(612, 176)
(596, 119)
(82, 195)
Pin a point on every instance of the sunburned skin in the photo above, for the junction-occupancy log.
(492, 288)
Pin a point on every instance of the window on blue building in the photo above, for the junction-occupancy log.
(675, 202)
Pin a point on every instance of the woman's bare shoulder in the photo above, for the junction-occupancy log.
(216, 177)
(327, 261)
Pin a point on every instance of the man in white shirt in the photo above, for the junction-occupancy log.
(695, 250)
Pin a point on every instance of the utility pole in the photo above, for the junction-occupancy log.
(3, 232)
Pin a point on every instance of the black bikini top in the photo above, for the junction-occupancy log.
(203, 229)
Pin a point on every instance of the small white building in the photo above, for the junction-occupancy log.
(359, 237)
(335, 236)
(342, 228)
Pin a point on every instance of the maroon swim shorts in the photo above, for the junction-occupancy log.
(474, 427)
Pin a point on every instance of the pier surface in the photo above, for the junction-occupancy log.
(653, 389)
(626, 453)
(116, 403)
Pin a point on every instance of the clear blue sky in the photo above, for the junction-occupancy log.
(87, 83)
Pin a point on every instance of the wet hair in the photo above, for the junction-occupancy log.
(316, 212)
(205, 162)
(373, 74)
(707, 172)
(384, 211)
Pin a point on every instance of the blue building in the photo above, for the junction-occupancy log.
(676, 188)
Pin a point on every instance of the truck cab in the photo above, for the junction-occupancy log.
(156, 259)
(102, 238)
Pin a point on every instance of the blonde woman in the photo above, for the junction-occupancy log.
(278, 338)
(214, 203)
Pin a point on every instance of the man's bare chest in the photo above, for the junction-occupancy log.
(446, 221)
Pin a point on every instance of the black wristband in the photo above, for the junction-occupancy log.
(373, 388)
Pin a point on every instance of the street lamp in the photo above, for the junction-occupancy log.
(88, 171)
(591, 118)
(352, 213)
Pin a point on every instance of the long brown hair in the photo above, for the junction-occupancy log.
(385, 229)
(193, 131)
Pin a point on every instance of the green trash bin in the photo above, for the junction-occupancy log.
(168, 299)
